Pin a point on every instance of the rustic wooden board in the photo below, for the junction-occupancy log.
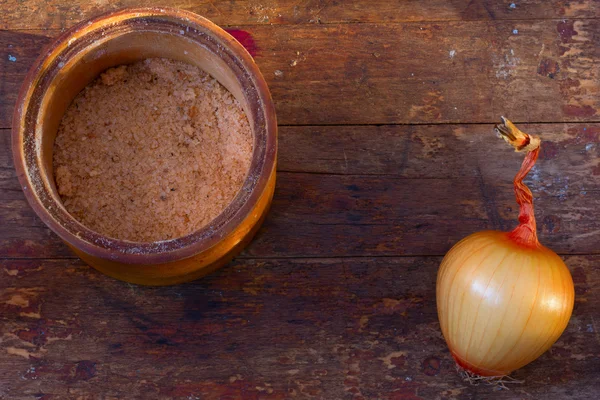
(34, 14)
(386, 159)
(389, 191)
(534, 71)
(262, 329)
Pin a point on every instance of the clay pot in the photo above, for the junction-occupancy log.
(126, 36)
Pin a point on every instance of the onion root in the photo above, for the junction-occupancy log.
(497, 381)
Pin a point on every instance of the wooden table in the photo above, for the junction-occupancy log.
(387, 158)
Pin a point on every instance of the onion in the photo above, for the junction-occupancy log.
(503, 299)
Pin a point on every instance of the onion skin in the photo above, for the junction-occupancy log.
(501, 303)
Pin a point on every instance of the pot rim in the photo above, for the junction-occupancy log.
(95, 244)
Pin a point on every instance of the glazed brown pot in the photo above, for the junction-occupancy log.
(123, 37)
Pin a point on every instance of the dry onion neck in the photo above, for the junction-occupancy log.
(525, 233)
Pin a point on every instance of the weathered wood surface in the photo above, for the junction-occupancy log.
(272, 329)
(335, 298)
(390, 191)
(434, 72)
(36, 14)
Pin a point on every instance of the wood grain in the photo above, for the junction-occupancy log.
(34, 14)
(442, 72)
(262, 329)
(389, 191)
(386, 159)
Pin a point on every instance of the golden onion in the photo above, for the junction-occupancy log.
(503, 299)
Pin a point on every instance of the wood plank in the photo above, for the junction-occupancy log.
(35, 14)
(388, 191)
(268, 329)
(432, 73)
(435, 151)
(18, 51)
(403, 73)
